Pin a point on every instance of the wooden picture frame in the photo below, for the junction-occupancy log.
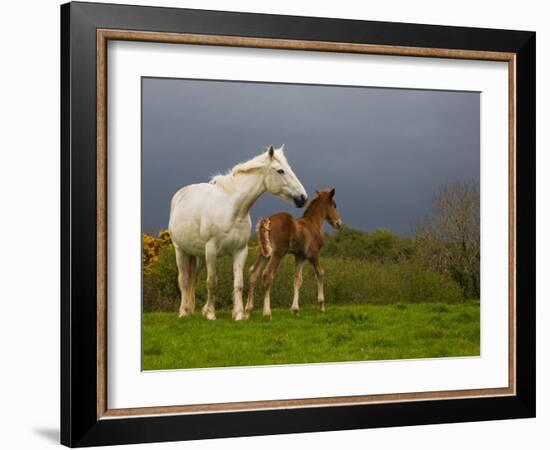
(86, 418)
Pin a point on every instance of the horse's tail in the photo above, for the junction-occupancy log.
(263, 231)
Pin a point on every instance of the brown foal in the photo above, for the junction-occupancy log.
(280, 234)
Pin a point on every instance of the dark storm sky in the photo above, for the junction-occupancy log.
(386, 151)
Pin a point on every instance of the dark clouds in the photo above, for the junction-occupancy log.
(386, 151)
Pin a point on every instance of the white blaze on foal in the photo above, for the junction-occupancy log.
(208, 219)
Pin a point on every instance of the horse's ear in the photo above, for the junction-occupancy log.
(317, 192)
(270, 151)
(282, 148)
(332, 192)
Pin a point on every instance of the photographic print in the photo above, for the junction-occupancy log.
(299, 223)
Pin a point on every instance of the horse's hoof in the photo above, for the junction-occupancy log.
(267, 314)
(210, 315)
(322, 308)
(183, 314)
(295, 311)
(238, 315)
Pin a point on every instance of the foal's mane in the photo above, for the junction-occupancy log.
(227, 181)
(314, 205)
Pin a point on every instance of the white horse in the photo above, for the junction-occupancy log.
(208, 219)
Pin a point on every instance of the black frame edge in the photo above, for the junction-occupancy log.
(79, 230)
(302, 420)
(526, 223)
(65, 416)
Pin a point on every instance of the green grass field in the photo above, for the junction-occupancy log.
(342, 333)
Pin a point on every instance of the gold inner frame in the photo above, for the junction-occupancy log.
(104, 35)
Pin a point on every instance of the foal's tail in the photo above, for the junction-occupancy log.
(263, 230)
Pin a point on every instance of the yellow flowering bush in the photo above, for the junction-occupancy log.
(151, 249)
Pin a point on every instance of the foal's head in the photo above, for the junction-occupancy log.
(326, 206)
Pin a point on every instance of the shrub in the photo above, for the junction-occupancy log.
(347, 280)
(377, 246)
(151, 249)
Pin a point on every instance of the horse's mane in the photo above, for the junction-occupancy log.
(227, 181)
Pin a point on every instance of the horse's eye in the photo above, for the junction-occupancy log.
(281, 171)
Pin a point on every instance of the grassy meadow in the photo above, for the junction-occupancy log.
(356, 332)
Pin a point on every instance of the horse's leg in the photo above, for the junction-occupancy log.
(320, 275)
(196, 265)
(299, 264)
(191, 271)
(254, 272)
(269, 274)
(183, 263)
(239, 260)
(210, 258)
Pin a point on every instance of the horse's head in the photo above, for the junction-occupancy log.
(332, 215)
(281, 181)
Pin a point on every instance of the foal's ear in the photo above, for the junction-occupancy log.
(332, 192)
(317, 192)
(270, 151)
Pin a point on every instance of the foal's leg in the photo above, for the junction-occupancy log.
(299, 264)
(239, 260)
(269, 274)
(253, 277)
(210, 259)
(183, 263)
(320, 275)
